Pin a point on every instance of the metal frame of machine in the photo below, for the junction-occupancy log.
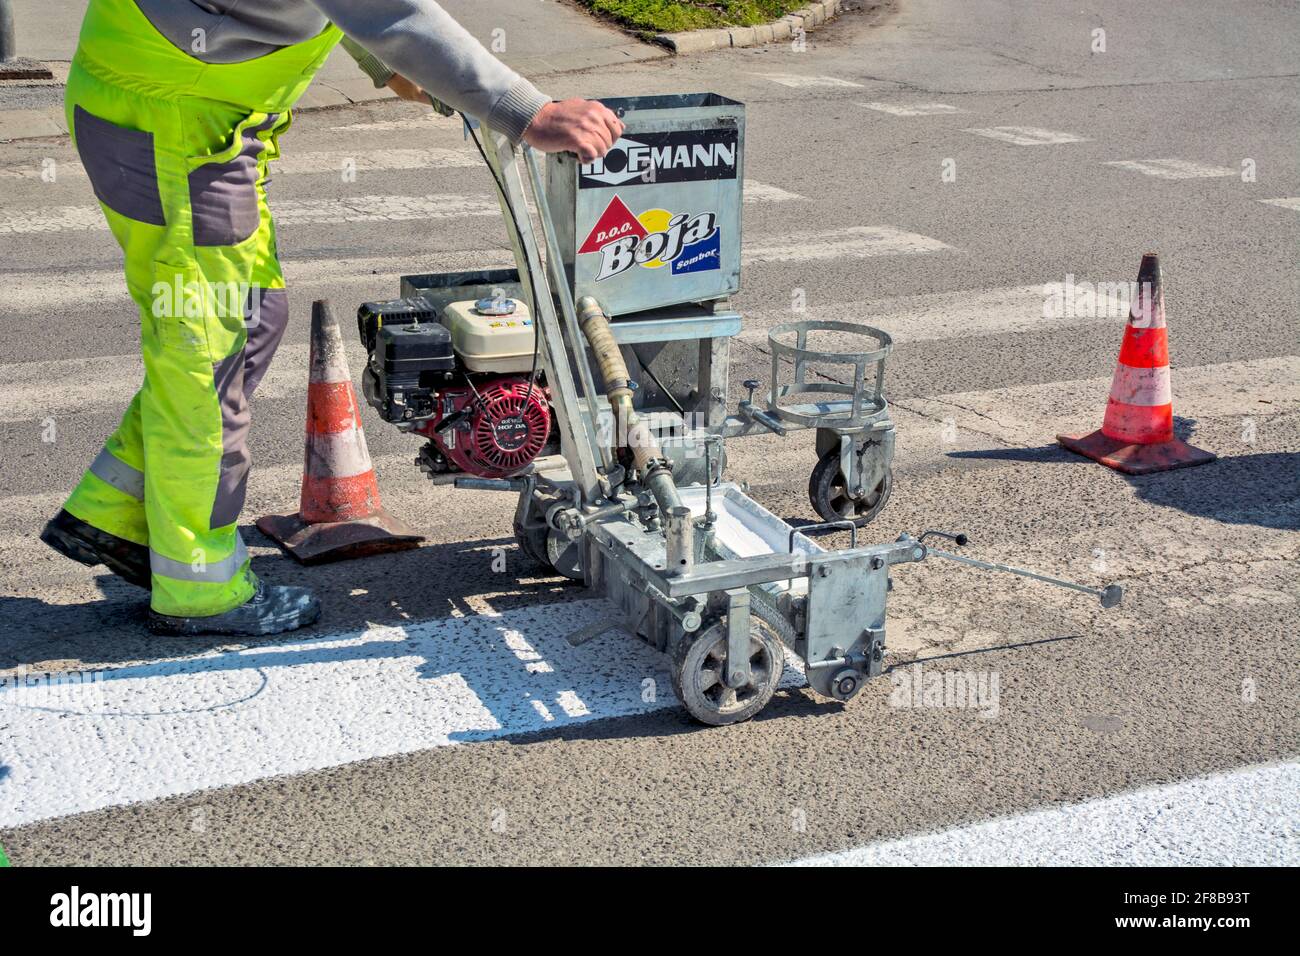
(629, 519)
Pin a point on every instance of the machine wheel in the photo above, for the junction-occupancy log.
(552, 550)
(697, 671)
(828, 491)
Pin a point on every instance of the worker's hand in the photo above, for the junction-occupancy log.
(584, 127)
(406, 89)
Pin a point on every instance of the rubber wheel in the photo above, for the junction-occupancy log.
(697, 673)
(828, 491)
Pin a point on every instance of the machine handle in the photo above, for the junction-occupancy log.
(1110, 595)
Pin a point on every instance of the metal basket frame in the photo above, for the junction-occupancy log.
(863, 405)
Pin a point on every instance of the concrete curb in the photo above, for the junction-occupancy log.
(806, 19)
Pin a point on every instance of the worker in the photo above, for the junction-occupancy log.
(176, 108)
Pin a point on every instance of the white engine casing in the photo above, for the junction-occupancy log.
(491, 343)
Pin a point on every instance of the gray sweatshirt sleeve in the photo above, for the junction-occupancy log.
(373, 67)
(422, 42)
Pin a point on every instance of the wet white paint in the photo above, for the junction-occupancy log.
(229, 717)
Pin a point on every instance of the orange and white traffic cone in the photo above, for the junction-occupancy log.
(339, 515)
(1137, 432)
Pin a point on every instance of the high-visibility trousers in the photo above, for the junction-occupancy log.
(176, 151)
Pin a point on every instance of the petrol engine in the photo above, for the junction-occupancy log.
(461, 377)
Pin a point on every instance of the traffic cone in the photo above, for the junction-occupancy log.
(1137, 432)
(339, 515)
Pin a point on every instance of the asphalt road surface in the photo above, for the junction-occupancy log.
(932, 171)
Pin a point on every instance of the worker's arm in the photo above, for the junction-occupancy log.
(382, 75)
(421, 41)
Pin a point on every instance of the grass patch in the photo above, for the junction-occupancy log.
(673, 16)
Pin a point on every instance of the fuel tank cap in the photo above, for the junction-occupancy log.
(495, 306)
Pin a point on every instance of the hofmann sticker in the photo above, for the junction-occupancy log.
(682, 156)
(656, 238)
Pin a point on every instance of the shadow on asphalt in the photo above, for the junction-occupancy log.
(1262, 489)
(669, 720)
(387, 590)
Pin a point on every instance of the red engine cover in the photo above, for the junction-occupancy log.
(498, 436)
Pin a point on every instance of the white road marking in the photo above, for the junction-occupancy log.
(59, 170)
(325, 161)
(1027, 135)
(53, 219)
(756, 192)
(856, 242)
(18, 290)
(430, 121)
(286, 211)
(1292, 203)
(229, 717)
(799, 81)
(382, 208)
(1244, 818)
(378, 208)
(1032, 415)
(913, 109)
(1172, 168)
(947, 315)
(337, 161)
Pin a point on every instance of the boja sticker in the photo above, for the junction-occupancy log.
(654, 239)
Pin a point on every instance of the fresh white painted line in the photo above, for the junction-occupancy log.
(913, 109)
(1292, 203)
(798, 81)
(1249, 817)
(856, 242)
(1172, 168)
(1027, 135)
(756, 192)
(954, 315)
(229, 717)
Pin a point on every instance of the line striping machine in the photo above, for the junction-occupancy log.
(591, 381)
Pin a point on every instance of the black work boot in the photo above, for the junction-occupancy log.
(82, 542)
(272, 609)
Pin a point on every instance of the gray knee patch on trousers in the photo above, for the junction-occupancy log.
(232, 484)
(268, 316)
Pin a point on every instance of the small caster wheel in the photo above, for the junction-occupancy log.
(829, 493)
(845, 683)
(698, 667)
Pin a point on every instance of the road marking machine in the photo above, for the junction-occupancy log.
(592, 381)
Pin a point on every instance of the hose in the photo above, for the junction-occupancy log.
(655, 469)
